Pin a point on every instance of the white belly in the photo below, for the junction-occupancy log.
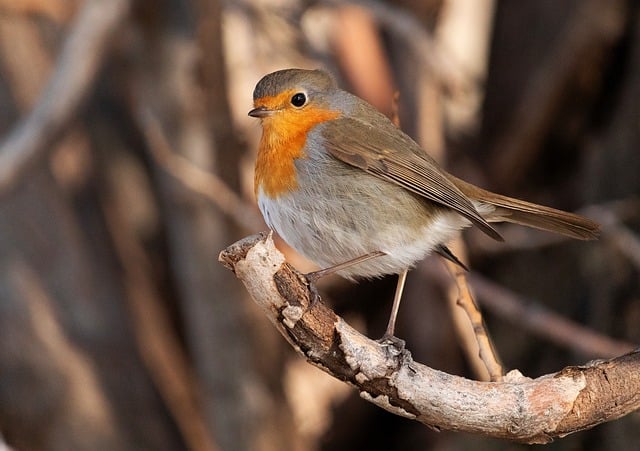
(329, 233)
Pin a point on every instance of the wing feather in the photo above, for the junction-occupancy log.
(398, 159)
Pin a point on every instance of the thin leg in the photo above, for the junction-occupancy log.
(391, 326)
(315, 275)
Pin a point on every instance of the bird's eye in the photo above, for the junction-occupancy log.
(298, 99)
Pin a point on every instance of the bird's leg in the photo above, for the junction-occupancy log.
(393, 344)
(391, 326)
(314, 276)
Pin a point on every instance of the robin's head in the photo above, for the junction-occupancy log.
(292, 91)
(289, 103)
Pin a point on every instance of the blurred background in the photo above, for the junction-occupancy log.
(126, 165)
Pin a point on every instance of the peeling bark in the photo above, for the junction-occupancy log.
(517, 408)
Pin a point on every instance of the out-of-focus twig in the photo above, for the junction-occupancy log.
(448, 73)
(593, 30)
(26, 63)
(615, 232)
(157, 344)
(549, 325)
(359, 48)
(196, 179)
(610, 215)
(82, 53)
(59, 10)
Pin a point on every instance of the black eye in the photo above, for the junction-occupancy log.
(298, 99)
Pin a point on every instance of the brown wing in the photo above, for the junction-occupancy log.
(396, 158)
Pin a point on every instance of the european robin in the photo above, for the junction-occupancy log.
(345, 187)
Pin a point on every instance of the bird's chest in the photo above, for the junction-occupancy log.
(275, 172)
(290, 195)
(285, 139)
(314, 208)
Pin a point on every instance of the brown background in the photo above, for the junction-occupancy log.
(119, 330)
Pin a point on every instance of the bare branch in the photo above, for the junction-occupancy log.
(536, 318)
(610, 215)
(59, 10)
(75, 71)
(518, 408)
(464, 300)
(194, 177)
(615, 232)
(166, 361)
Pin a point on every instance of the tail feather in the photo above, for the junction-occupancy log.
(529, 214)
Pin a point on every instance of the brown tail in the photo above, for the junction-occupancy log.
(529, 214)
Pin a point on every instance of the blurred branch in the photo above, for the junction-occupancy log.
(157, 343)
(77, 65)
(448, 73)
(615, 232)
(59, 10)
(537, 319)
(3, 445)
(195, 178)
(359, 49)
(609, 215)
(26, 63)
(593, 29)
(60, 381)
(520, 409)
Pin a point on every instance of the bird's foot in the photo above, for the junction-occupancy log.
(313, 290)
(393, 344)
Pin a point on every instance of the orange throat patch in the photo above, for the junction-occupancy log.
(284, 137)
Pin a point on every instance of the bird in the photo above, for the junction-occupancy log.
(346, 188)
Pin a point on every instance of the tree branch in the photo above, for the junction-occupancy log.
(197, 179)
(464, 300)
(539, 320)
(518, 408)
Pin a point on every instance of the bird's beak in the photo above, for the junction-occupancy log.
(261, 112)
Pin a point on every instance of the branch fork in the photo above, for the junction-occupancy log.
(516, 408)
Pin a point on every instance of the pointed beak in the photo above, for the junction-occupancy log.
(261, 112)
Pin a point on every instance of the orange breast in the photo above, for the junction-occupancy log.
(284, 135)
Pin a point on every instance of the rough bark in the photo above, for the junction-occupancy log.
(517, 408)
